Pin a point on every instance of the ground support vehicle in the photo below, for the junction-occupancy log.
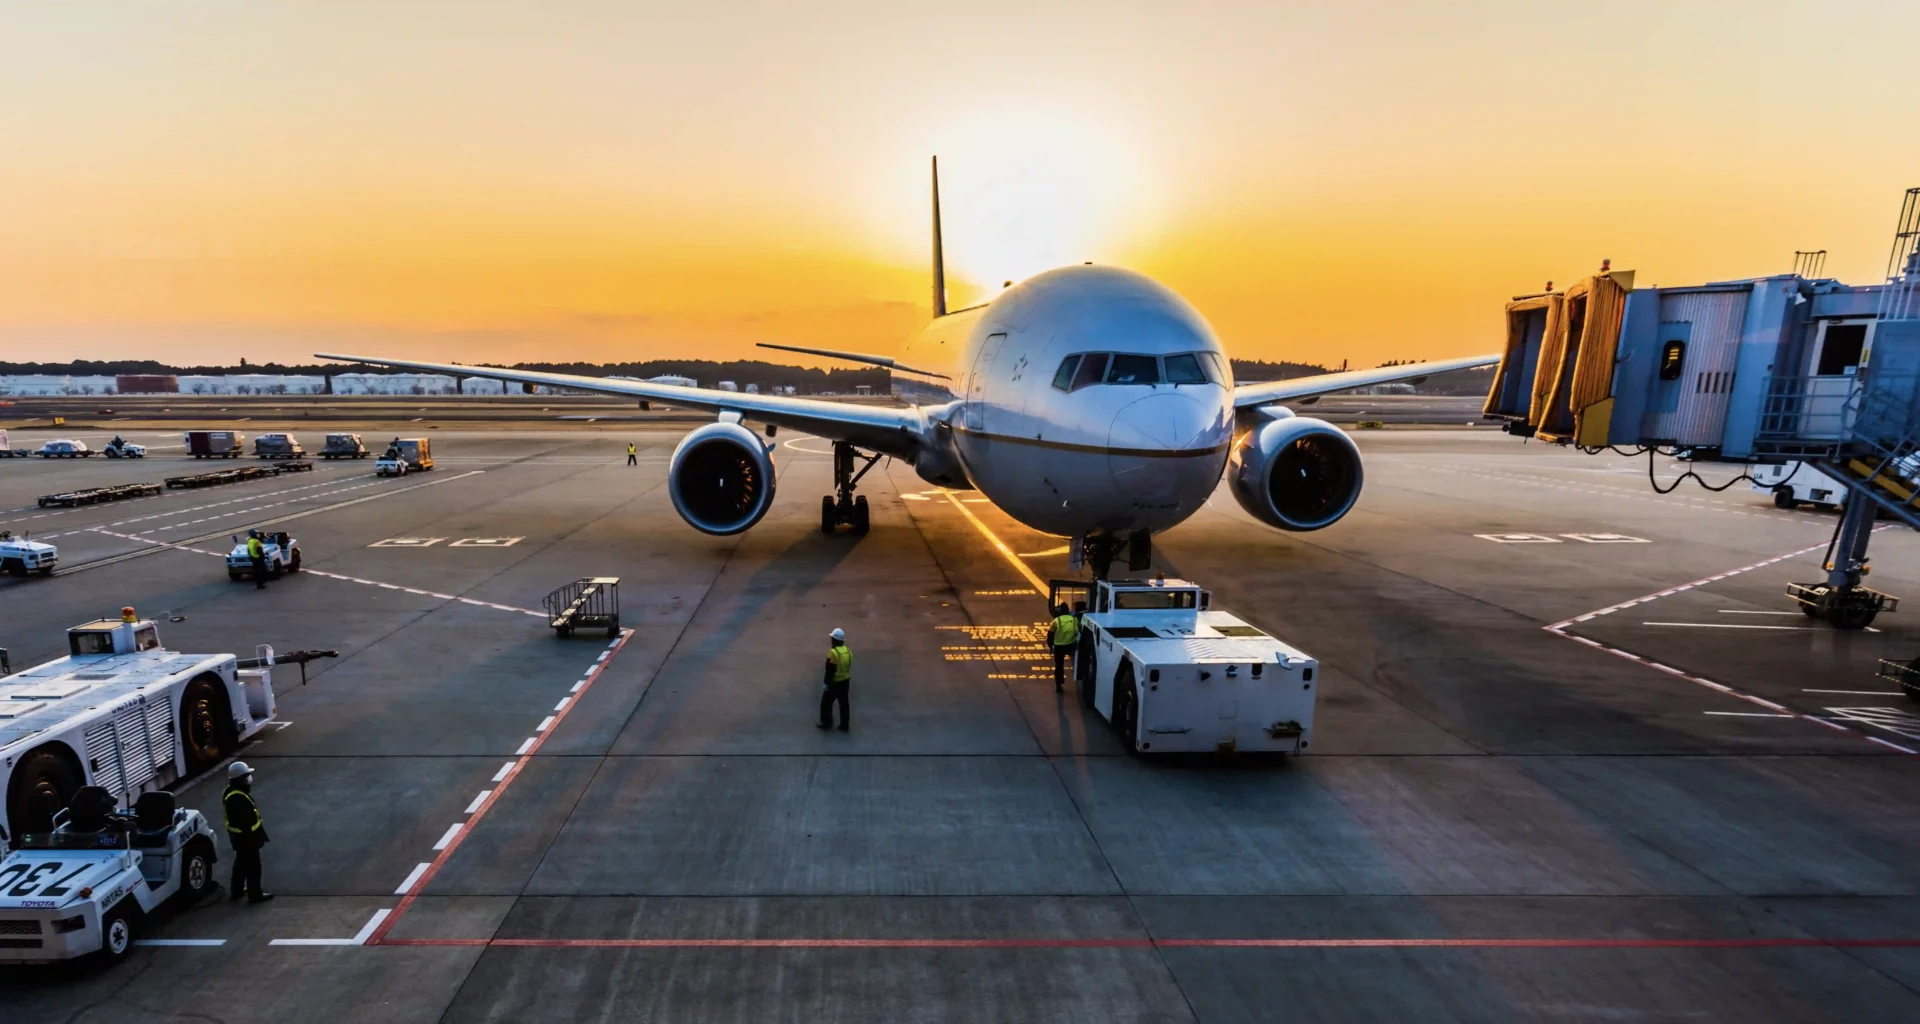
(121, 448)
(23, 556)
(277, 446)
(96, 495)
(65, 449)
(344, 446)
(8, 451)
(1173, 674)
(1793, 484)
(88, 886)
(590, 603)
(215, 444)
(283, 556)
(403, 456)
(222, 476)
(296, 466)
(122, 713)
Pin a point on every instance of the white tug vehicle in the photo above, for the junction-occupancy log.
(282, 551)
(21, 556)
(112, 725)
(1172, 674)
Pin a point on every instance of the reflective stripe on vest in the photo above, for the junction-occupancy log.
(259, 821)
(1066, 629)
(842, 662)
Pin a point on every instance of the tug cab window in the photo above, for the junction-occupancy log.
(1130, 369)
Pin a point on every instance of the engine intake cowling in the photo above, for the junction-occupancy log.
(721, 479)
(1296, 473)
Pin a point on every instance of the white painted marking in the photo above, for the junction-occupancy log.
(545, 724)
(366, 930)
(1746, 714)
(1858, 693)
(1734, 625)
(412, 877)
(526, 745)
(486, 542)
(407, 542)
(452, 830)
(1605, 538)
(502, 773)
(1742, 611)
(601, 658)
(481, 799)
(312, 942)
(1518, 538)
(578, 685)
(180, 942)
(562, 706)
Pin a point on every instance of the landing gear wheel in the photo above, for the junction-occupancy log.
(1783, 498)
(196, 873)
(116, 933)
(204, 726)
(828, 517)
(43, 784)
(1126, 709)
(861, 522)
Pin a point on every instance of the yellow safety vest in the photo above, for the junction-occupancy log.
(259, 822)
(630, 449)
(1066, 629)
(842, 662)
(255, 549)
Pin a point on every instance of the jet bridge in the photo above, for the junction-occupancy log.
(1754, 371)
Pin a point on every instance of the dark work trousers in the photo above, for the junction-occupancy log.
(1061, 652)
(632, 460)
(836, 693)
(246, 871)
(259, 573)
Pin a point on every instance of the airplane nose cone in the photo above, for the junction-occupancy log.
(1167, 450)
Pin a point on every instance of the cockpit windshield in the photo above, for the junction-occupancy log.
(1085, 369)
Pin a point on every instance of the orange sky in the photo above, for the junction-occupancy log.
(505, 181)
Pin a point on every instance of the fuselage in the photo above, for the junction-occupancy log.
(1086, 400)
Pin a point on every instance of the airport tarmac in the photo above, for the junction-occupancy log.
(1576, 756)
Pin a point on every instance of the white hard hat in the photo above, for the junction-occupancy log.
(239, 770)
(838, 634)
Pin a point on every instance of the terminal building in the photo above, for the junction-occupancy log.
(1788, 368)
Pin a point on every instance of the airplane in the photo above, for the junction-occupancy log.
(1086, 402)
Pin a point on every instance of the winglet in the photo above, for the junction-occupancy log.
(939, 258)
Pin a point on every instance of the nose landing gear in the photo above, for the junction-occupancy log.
(843, 506)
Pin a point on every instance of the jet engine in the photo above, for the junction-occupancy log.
(721, 478)
(1295, 472)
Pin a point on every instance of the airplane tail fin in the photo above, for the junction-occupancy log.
(939, 257)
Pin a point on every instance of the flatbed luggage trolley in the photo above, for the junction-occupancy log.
(592, 602)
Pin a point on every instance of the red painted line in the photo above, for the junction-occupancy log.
(1146, 943)
(379, 937)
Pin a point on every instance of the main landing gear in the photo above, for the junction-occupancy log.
(842, 506)
(1100, 551)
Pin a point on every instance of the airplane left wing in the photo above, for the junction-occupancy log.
(1245, 395)
(900, 432)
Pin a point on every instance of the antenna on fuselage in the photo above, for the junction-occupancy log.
(939, 258)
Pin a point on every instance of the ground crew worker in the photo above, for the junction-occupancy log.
(257, 554)
(246, 831)
(1064, 635)
(838, 679)
(631, 460)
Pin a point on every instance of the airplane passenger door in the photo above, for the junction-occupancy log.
(977, 381)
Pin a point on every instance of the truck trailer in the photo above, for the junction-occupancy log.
(215, 444)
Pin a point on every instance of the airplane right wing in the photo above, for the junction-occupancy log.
(1266, 392)
(900, 432)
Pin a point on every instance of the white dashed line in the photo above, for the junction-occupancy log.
(562, 706)
(485, 793)
(545, 724)
(526, 745)
(505, 770)
(412, 877)
(452, 830)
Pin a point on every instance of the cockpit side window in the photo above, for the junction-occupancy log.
(1217, 369)
(1134, 369)
(1185, 369)
(1063, 377)
(1093, 369)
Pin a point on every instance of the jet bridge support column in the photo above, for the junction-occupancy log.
(1850, 548)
